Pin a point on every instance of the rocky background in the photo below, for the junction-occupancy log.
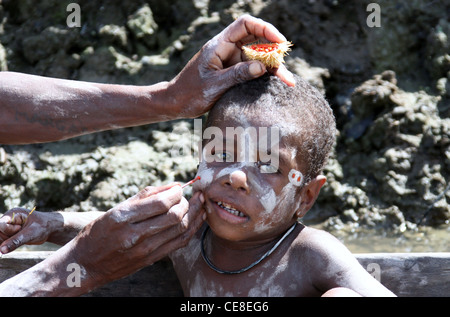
(389, 87)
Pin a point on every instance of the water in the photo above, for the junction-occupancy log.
(422, 240)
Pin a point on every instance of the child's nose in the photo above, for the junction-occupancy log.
(238, 180)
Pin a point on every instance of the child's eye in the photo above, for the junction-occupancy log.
(223, 157)
(268, 168)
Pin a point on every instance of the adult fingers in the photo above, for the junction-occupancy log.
(153, 226)
(241, 72)
(138, 251)
(178, 236)
(244, 71)
(246, 29)
(247, 25)
(8, 229)
(180, 217)
(285, 75)
(152, 190)
(14, 242)
(144, 206)
(8, 226)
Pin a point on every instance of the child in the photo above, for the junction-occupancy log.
(253, 244)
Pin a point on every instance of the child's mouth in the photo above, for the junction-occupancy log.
(230, 209)
(235, 216)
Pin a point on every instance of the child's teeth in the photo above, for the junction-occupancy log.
(230, 209)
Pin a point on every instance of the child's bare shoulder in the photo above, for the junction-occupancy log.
(329, 264)
(316, 240)
(321, 248)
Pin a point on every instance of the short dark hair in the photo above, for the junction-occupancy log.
(301, 113)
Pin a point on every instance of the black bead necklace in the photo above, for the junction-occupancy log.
(215, 268)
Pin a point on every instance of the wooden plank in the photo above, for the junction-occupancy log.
(410, 274)
(156, 280)
(405, 274)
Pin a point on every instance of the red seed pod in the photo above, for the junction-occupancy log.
(271, 54)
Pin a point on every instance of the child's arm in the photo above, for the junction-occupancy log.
(336, 272)
(17, 227)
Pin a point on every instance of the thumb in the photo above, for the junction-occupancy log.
(12, 243)
(249, 70)
(243, 71)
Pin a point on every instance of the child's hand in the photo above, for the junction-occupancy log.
(17, 229)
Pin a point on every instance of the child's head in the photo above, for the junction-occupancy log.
(246, 196)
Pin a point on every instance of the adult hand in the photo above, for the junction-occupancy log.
(137, 233)
(221, 64)
(16, 229)
(132, 235)
(37, 109)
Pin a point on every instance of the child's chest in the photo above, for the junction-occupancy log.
(276, 276)
(256, 282)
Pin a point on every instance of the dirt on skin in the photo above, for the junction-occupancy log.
(389, 87)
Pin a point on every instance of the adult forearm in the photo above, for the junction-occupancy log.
(70, 224)
(132, 235)
(40, 109)
(57, 275)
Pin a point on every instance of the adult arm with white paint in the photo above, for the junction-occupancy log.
(37, 109)
(130, 236)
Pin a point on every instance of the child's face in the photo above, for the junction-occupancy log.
(244, 200)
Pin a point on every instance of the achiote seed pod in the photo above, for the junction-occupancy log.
(271, 54)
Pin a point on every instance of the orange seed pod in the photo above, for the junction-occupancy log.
(271, 54)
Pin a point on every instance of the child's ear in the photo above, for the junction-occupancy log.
(309, 194)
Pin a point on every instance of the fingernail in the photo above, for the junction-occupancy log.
(204, 216)
(202, 199)
(255, 69)
(291, 79)
(4, 249)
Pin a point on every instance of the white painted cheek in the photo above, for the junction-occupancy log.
(287, 199)
(206, 177)
(265, 193)
(207, 174)
(269, 201)
(283, 203)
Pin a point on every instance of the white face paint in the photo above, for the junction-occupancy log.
(220, 163)
(206, 176)
(260, 189)
(280, 208)
(295, 177)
